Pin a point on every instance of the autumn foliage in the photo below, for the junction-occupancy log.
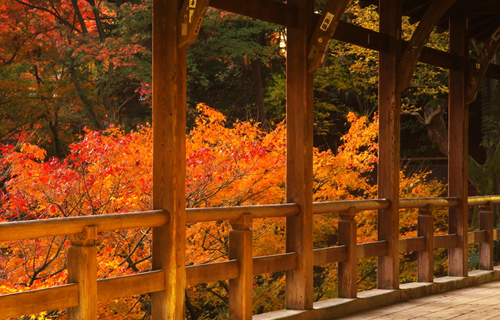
(110, 171)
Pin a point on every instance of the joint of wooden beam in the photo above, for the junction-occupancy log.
(323, 34)
(243, 223)
(349, 214)
(86, 238)
(190, 19)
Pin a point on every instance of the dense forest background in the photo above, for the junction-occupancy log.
(75, 104)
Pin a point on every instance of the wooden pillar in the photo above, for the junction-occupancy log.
(348, 269)
(486, 247)
(241, 288)
(82, 269)
(169, 158)
(458, 112)
(389, 144)
(425, 258)
(299, 120)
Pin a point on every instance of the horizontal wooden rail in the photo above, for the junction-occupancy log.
(372, 249)
(275, 263)
(11, 231)
(330, 255)
(119, 287)
(35, 301)
(496, 234)
(234, 213)
(476, 236)
(210, 272)
(339, 206)
(407, 203)
(445, 241)
(482, 200)
(412, 244)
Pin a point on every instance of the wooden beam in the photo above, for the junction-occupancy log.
(169, 159)
(323, 33)
(414, 48)
(190, 20)
(272, 11)
(299, 166)
(389, 145)
(458, 111)
(478, 71)
(286, 14)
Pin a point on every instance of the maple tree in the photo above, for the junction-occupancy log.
(239, 164)
(68, 64)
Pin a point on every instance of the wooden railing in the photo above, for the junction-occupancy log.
(83, 290)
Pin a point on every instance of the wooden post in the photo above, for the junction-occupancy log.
(389, 144)
(425, 258)
(486, 247)
(241, 288)
(348, 269)
(299, 120)
(458, 112)
(82, 269)
(169, 159)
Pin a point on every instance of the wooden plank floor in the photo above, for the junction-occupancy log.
(476, 303)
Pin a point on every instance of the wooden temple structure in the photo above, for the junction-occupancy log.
(176, 24)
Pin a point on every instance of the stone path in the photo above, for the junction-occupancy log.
(476, 303)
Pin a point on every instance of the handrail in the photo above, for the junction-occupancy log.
(11, 231)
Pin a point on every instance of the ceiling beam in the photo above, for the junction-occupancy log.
(478, 71)
(411, 54)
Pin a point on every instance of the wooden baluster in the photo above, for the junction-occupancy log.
(82, 269)
(425, 266)
(348, 269)
(486, 247)
(241, 288)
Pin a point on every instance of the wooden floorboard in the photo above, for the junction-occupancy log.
(480, 302)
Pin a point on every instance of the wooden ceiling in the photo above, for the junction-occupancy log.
(483, 15)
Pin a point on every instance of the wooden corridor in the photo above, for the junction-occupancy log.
(475, 303)
(176, 24)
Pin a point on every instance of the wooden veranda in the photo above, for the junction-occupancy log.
(175, 26)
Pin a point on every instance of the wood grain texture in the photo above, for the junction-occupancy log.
(347, 270)
(458, 111)
(445, 241)
(82, 269)
(241, 288)
(425, 258)
(486, 245)
(413, 49)
(118, 287)
(35, 301)
(299, 166)
(389, 145)
(330, 255)
(169, 159)
(11, 231)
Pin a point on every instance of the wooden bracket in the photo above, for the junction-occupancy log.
(190, 19)
(479, 69)
(411, 55)
(323, 34)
